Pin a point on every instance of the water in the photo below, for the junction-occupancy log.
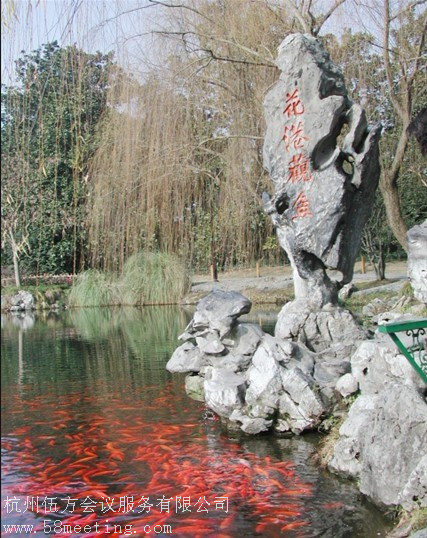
(98, 439)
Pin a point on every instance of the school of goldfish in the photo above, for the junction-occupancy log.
(145, 467)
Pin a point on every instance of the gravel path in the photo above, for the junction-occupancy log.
(276, 278)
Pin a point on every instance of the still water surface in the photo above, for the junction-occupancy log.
(98, 439)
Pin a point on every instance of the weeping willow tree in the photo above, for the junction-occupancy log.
(179, 167)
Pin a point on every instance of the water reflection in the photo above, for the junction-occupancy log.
(90, 411)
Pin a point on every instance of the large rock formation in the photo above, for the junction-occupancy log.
(417, 260)
(323, 160)
(383, 440)
(253, 380)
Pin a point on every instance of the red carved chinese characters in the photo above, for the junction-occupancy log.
(295, 139)
(302, 207)
(299, 168)
(294, 106)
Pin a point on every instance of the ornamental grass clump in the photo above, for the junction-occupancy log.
(147, 278)
(93, 288)
(153, 278)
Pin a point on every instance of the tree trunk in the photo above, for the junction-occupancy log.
(214, 270)
(380, 268)
(389, 190)
(15, 258)
(392, 205)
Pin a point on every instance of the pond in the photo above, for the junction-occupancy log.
(98, 439)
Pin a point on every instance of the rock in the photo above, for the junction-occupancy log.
(264, 381)
(422, 533)
(23, 300)
(377, 364)
(224, 390)
(333, 326)
(243, 339)
(186, 358)
(382, 441)
(194, 387)
(323, 191)
(235, 363)
(301, 357)
(415, 490)
(347, 385)
(331, 330)
(346, 459)
(391, 317)
(346, 291)
(417, 260)
(217, 311)
(291, 319)
(329, 371)
(255, 425)
(250, 425)
(376, 306)
(300, 408)
(210, 344)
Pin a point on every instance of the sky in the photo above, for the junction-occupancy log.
(103, 25)
(122, 26)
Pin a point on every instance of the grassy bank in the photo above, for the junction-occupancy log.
(46, 296)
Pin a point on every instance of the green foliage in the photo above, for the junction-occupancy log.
(92, 288)
(40, 288)
(407, 290)
(270, 243)
(415, 519)
(48, 134)
(147, 278)
(419, 519)
(325, 449)
(349, 400)
(356, 302)
(153, 278)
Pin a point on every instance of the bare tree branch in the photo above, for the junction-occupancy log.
(407, 8)
(298, 16)
(221, 84)
(126, 12)
(387, 64)
(419, 53)
(229, 137)
(182, 6)
(323, 18)
(215, 56)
